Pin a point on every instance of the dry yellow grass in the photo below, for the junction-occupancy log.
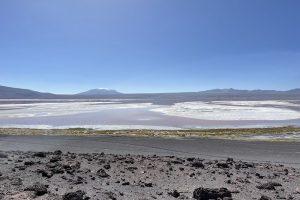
(203, 133)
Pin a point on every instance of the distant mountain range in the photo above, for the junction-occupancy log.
(99, 91)
(160, 98)
(17, 93)
(234, 91)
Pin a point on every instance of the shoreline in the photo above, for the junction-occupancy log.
(275, 134)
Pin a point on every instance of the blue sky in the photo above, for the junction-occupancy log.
(67, 46)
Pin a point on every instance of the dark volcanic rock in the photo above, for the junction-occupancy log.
(58, 169)
(263, 197)
(2, 155)
(45, 173)
(110, 195)
(22, 167)
(71, 168)
(148, 184)
(197, 164)
(110, 176)
(57, 152)
(78, 195)
(222, 165)
(40, 154)
(16, 181)
(102, 173)
(55, 159)
(244, 165)
(79, 180)
(106, 166)
(207, 193)
(132, 169)
(230, 160)
(174, 194)
(28, 163)
(268, 186)
(126, 183)
(38, 188)
(190, 159)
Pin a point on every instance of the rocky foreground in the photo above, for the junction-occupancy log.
(70, 176)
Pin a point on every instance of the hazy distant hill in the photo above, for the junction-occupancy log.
(235, 91)
(294, 91)
(16, 93)
(158, 98)
(100, 91)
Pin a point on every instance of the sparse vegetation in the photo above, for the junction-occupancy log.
(201, 133)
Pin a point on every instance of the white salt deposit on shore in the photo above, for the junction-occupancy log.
(58, 109)
(231, 110)
(95, 127)
(258, 103)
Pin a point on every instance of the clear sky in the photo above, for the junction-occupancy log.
(67, 46)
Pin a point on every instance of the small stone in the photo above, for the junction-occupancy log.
(174, 194)
(28, 163)
(190, 159)
(55, 159)
(78, 195)
(268, 186)
(57, 152)
(263, 197)
(40, 154)
(222, 165)
(101, 173)
(126, 183)
(16, 181)
(2, 155)
(106, 167)
(197, 165)
(148, 184)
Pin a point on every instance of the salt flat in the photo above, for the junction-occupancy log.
(56, 109)
(112, 114)
(232, 110)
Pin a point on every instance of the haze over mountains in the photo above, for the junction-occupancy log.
(160, 98)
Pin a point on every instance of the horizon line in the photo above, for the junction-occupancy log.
(206, 90)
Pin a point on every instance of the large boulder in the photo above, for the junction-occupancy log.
(208, 193)
(38, 188)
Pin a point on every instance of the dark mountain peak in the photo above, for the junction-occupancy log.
(297, 90)
(13, 93)
(235, 91)
(99, 91)
(225, 90)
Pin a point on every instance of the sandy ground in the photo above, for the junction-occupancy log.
(145, 168)
(71, 176)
